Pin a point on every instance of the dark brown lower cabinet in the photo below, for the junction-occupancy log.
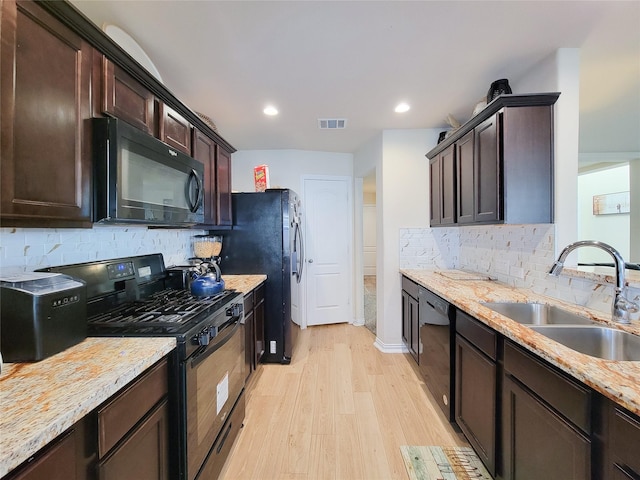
(619, 442)
(475, 399)
(143, 454)
(254, 328)
(133, 430)
(69, 457)
(126, 438)
(410, 318)
(258, 313)
(538, 443)
(546, 425)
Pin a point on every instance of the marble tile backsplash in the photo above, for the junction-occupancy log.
(518, 255)
(27, 249)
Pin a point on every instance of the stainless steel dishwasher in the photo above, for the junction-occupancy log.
(436, 356)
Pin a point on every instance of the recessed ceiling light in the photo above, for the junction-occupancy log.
(270, 110)
(402, 107)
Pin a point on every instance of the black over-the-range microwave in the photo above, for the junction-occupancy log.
(139, 179)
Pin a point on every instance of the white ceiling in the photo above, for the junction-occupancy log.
(357, 59)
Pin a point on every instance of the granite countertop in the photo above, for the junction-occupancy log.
(615, 380)
(39, 401)
(606, 274)
(243, 283)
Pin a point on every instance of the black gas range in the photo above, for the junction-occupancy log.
(193, 321)
(138, 296)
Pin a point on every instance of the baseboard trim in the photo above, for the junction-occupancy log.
(390, 348)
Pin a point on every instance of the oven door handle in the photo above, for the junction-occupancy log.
(219, 341)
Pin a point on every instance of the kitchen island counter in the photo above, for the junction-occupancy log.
(615, 380)
(39, 401)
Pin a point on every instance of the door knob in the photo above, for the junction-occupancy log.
(311, 260)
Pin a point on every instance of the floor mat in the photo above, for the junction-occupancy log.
(443, 463)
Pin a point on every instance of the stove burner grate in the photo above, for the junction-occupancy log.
(167, 308)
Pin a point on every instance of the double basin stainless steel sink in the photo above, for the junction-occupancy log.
(571, 330)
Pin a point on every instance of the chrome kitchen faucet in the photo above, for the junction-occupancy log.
(621, 307)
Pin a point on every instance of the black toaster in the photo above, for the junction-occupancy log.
(42, 314)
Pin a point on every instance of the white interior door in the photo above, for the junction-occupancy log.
(328, 238)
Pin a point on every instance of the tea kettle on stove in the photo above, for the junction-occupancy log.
(205, 282)
(205, 278)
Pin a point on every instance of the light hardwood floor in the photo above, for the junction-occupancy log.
(341, 410)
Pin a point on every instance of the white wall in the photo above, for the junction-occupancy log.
(560, 72)
(403, 202)
(634, 229)
(611, 229)
(286, 170)
(286, 167)
(368, 159)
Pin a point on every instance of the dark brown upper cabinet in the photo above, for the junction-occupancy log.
(223, 186)
(204, 150)
(465, 179)
(175, 130)
(217, 180)
(443, 187)
(127, 99)
(45, 86)
(57, 71)
(502, 163)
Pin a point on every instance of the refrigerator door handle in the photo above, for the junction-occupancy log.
(299, 261)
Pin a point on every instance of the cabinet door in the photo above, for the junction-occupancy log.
(448, 186)
(57, 462)
(175, 130)
(144, 454)
(620, 473)
(406, 319)
(414, 329)
(434, 190)
(45, 86)
(125, 409)
(204, 150)
(223, 186)
(127, 99)
(623, 443)
(475, 401)
(487, 171)
(537, 442)
(465, 179)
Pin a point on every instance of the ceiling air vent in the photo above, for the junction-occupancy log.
(332, 123)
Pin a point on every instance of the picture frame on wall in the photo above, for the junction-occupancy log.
(611, 203)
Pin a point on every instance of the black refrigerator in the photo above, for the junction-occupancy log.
(266, 238)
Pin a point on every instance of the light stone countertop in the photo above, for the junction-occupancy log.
(243, 283)
(39, 401)
(606, 274)
(619, 381)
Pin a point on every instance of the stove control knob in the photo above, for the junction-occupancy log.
(203, 337)
(235, 310)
